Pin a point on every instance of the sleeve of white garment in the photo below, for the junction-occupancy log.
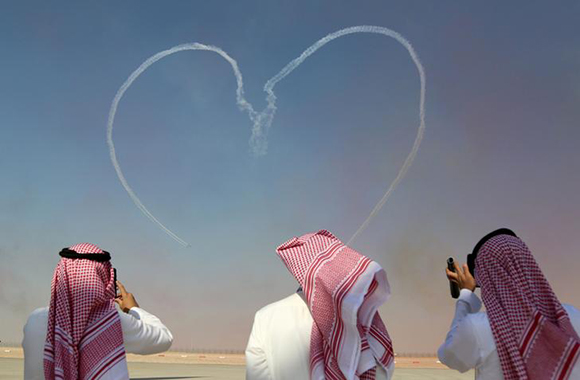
(256, 362)
(574, 315)
(461, 349)
(143, 333)
(33, 344)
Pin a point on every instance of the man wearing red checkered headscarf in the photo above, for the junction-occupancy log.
(84, 338)
(534, 336)
(331, 328)
(86, 330)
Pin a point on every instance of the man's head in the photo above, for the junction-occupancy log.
(466, 276)
(94, 263)
(471, 258)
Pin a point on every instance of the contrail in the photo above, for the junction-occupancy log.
(243, 104)
(271, 98)
(263, 120)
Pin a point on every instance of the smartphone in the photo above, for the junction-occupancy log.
(115, 277)
(453, 287)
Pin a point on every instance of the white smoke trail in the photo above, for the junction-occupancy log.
(263, 120)
(242, 103)
(269, 88)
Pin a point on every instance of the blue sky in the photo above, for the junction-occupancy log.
(500, 149)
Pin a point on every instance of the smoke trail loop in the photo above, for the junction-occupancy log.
(262, 121)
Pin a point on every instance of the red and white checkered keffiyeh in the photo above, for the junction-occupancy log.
(532, 331)
(84, 339)
(343, 290)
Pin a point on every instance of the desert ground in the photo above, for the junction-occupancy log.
(187, 365)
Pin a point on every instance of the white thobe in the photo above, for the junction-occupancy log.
(470, 343)
(279, 345)
(143, 333)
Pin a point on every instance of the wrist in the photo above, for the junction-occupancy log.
(469, 285)
(469, 297)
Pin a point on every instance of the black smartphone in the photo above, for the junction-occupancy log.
(115, 279)
(453, 287)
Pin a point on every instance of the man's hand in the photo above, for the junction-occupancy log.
(461, 277)
(126, 300)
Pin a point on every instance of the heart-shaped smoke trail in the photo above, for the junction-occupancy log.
(263, 120)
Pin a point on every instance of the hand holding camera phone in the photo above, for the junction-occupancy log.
(125, 300)
(460, 277)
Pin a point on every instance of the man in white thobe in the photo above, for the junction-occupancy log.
(279, 345)
(143, 334)
(286, 342)
(88, 328)
(470, 344)
(519, 337)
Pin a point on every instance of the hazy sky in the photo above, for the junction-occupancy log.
(500, 150)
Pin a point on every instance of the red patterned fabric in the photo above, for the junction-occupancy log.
(532, 331)
(343, 290)
(84, 338)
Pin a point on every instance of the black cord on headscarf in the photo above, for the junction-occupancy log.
(70, 254)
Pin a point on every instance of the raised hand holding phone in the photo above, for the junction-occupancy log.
(126, 300)
(461, 276)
